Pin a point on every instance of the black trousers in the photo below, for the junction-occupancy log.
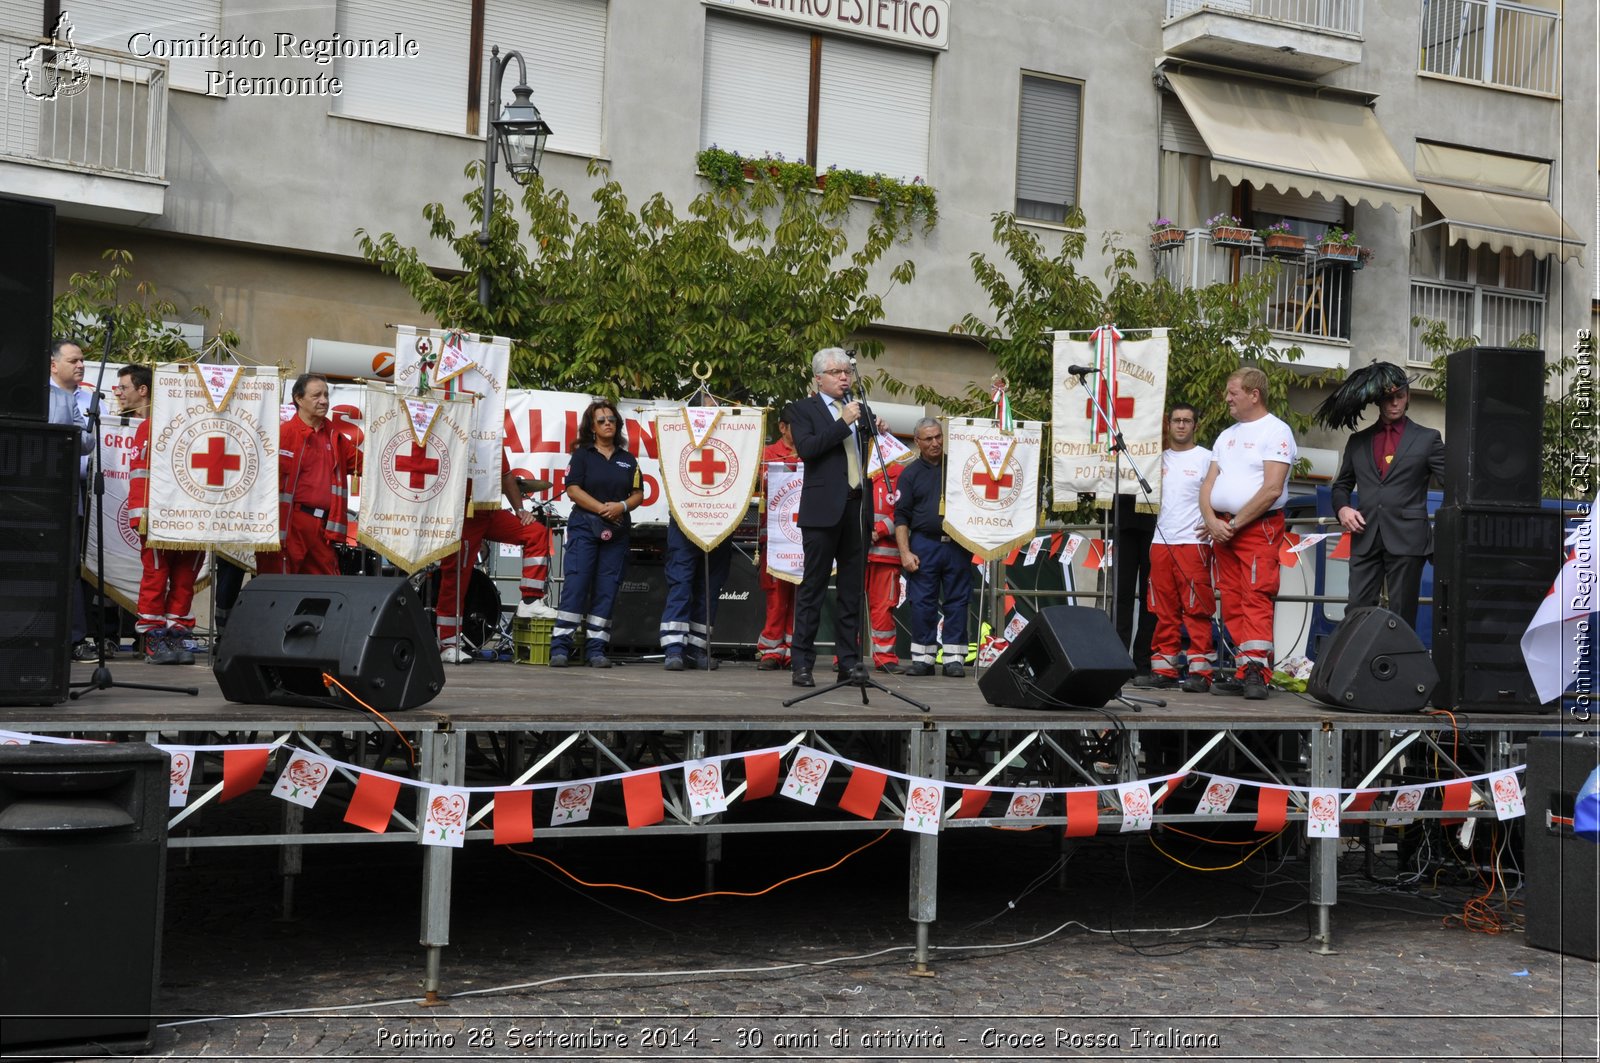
(841, 543)
(1402, 573)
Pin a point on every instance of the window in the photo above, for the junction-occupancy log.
(1509, 45)
(1049, 123)
(1496, 296)
(114, 24)
(871, 103)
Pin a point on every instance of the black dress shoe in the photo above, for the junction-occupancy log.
(802, 679)
(893, 667)
(919, 668)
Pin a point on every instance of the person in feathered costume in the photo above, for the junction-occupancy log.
(1389, 466)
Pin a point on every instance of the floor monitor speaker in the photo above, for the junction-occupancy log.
(27, 277)
(368, 632)
(1068, 656)
(38, 559)
(1373, 663)
(1494, 420)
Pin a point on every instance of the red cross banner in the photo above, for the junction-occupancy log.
(122, 565)
(991, 484)
(786, 557)
(1129, 386)
(213, 457)
(710, 464)
(414, 494)
(462, 365)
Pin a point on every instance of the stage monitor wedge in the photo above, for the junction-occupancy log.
(1373, 663)
(1069, 656)
(27, 284)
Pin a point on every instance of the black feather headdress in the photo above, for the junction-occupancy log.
(1369, 384)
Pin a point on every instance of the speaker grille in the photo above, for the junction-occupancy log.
(38, 551)
(27, 270)
(1494, 410)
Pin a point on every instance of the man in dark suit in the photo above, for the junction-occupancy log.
(1389, 466)
(824, 427)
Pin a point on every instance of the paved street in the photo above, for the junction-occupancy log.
(1120, 953)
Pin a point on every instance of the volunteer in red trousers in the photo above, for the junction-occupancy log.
(315, 463)
(1241, 501)
(1181, 596)
(777, 634)
(883, 570)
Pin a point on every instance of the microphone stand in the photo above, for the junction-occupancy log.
(1118, 447)
(102, 680)
(861, 675)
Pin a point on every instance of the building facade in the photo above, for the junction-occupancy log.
(235, 146)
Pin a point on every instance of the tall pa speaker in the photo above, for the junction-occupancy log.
(1069, 656)
(368, 632)
(1373, 663)
(1491, 569)
(27, 279)
(1494, 414)
(1562, 867)
(38, 558)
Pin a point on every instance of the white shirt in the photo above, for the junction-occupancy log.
(1182, 473)
(1241, 454)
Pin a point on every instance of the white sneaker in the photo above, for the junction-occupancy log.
(535, 610)
(454, 655)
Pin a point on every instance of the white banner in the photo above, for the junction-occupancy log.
(1079, 463)
(213, 457)
(786, 558)
(541, 428)
(123, 567)
(710, 465)
(465, 365)
(417, 457)
(991, 484)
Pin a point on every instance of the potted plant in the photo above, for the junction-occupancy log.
(1278, 239)
(1338, 246)
(1229, 231)
(1164, 235)
(721, 167)
(1363, 256)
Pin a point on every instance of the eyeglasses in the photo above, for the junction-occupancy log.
(605, 420)
(835, 372)
(118, 387)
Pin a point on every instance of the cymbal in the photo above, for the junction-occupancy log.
(530, 487)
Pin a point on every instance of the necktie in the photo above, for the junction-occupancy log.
(852, 459)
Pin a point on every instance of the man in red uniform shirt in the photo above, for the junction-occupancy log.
(166, 589)
(883, 570)
(315, 463)
(772, 648)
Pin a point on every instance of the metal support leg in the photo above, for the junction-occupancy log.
(291, 858)
(443, 765)
(704, 745)
(925, 760)
(1324, 770)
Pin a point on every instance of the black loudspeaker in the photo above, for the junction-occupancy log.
(1494, 415)
(27, 285)
(368, 632)
(38, 559)
(1491, 569)
(1562, 868)
(1373, 663)
(1069, 654)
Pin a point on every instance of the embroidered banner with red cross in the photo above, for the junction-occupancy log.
(213, 457)
(462, 365)
(414, 494)
(991, 484)
(710, 464)
(1129, 391)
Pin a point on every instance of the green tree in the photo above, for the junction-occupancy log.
(133, 310)
(749, 283)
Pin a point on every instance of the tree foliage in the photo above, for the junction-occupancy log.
(749, 283)
(134, 312)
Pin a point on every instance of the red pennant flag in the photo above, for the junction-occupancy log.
(1362, 801)
(641, 793)
(976, 560)
(1172, 788)
(1286, 555)
(761, 775)
(1097, 554)
(972, 802)
(1341, 552)
(241, 770)
(1055, 543)
(373, 803)
(513, 817)
(863, 792)
(1083, 813)
(1012, 556)
(1272, 810)
(1455, 798)
(1011, 606)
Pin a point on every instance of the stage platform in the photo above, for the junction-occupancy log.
(499, 724)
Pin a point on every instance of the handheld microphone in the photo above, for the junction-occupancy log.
(1081, 370)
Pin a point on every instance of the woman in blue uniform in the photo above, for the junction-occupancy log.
(603, 484)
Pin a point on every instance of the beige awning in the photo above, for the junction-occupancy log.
(1495, 200)
(1273, 136)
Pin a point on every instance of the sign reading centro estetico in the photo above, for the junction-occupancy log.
(920, 23)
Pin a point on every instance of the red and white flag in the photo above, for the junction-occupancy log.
(415, 490)
(467, 366)
(1130, 386)
(991, 485)
(1561, 628)
(786, 558)
(710, 463)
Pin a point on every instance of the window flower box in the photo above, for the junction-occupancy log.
(1232, 236)
(1168, 238)
(1281, 243)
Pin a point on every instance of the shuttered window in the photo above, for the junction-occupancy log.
(111, 23)
(564, 44)
(753, 94)
(1049, 128)
(429, 91)
(873, 109)
(25, 18)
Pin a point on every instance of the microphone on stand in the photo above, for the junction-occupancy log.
(1081, 370)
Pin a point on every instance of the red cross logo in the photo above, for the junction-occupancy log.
(991, 485)
(215, 461)
(1121, 406)
(708, 465)
(419, 465)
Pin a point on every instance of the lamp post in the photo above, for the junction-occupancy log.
(520, 131)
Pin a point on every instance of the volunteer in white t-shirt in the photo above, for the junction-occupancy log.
(1241, 502)
(1181, 595)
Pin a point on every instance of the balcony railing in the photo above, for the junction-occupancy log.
(1493, 42)
(1497, 317)
(115, 124)
(1309, 296)
(1334, 16)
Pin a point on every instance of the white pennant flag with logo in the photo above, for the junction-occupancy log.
(414, 492)
(786, 558)
(991, 485)
(710, 465)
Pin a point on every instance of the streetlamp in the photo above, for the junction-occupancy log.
(520, 132)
